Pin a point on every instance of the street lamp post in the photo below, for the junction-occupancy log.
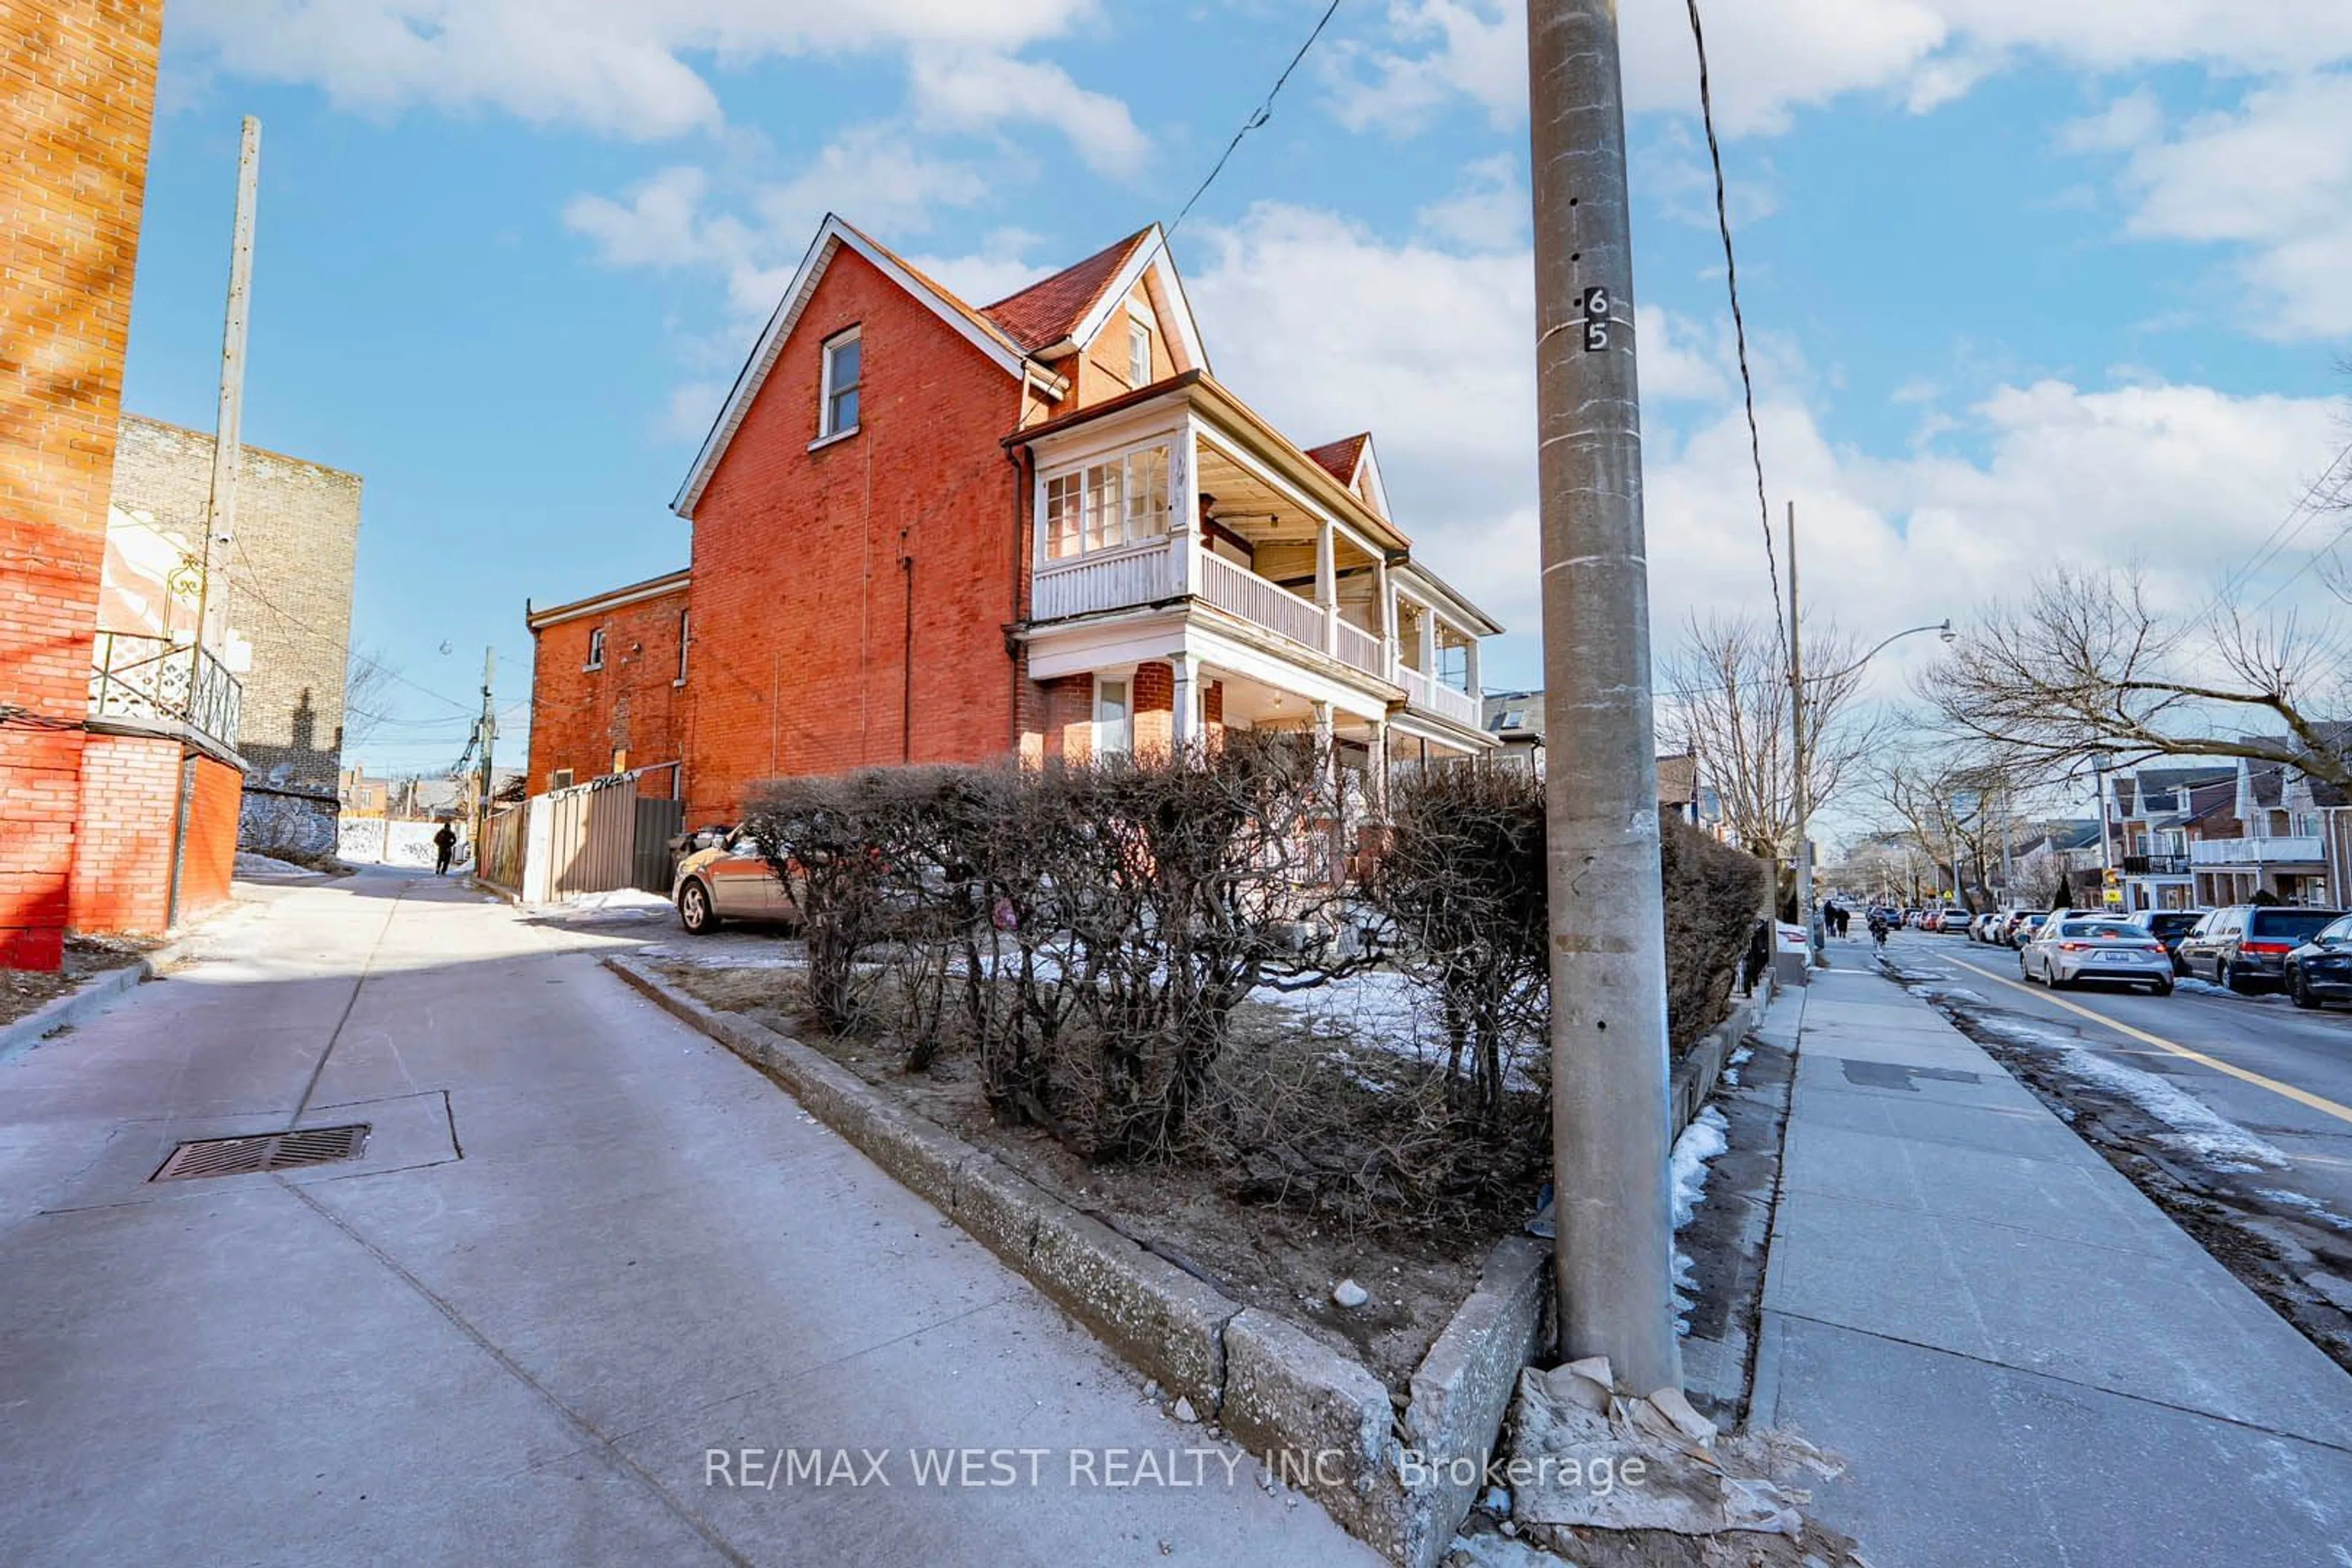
(1797, 678)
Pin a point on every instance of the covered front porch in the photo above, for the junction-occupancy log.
(1179, 511)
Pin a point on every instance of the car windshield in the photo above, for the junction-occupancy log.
(2100, 930)
(2293, 926)
(2165, 925)
(2340, 931)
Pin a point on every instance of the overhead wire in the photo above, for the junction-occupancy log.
(1739, 329)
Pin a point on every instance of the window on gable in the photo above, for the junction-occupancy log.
(595, 647)
(842, 357)
(1139, 352)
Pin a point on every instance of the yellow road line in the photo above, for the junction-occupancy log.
(2300, 1096)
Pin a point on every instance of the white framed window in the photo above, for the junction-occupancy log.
(595, 647)
(837, 389)
(1114, 716)
(561, 778)
(1139, 351)
(1117, 501)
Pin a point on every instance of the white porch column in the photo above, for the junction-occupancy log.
(1386, 596)
(1428, 642)
(1184, 534)
(1327, 588)
(1185, 721)
(1475, 690)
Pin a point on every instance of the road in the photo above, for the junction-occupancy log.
(2281, 1074)
(583, 1247)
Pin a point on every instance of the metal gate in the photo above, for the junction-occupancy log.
(659, 821)
(592, 836)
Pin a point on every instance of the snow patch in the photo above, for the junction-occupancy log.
(2206, 988)
(1701, 1143)
(2310, 1206)
(2197, 1130)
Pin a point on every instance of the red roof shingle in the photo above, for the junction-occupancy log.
(1339, 458)
(1047, 310)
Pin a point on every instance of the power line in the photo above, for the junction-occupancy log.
(1738, 323)
(1258, 116)
(2309, 508)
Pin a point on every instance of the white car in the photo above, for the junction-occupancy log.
(2068, 949)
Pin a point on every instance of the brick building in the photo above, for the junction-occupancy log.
(608, 687)
(79, 77)
(287, 582)
(924, 532)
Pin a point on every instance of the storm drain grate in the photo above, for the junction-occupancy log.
(263, 1152)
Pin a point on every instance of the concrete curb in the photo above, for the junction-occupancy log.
(1316, 1416)
(93, 996)
(1696, 1076)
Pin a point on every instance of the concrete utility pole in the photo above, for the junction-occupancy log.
(1610, 1138)
(220, 508)
(487, 732)
(1797, 748)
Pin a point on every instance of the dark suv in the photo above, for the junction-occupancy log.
(2169, 927)
(2244, 947)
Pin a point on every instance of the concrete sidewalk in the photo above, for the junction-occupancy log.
(2023, 1359)
(584, 1245)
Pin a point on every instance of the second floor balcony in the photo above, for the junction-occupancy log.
(1184, 511)
(2298, 849)
(165, 680)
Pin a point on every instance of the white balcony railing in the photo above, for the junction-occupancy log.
(1139, 574)
(1436, 697)
(1359, 650)
(1238, 590)
(2255, 851)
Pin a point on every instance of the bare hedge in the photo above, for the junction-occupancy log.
(1088, 934)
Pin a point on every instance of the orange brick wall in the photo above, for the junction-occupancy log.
(798, 589)
(579, 717)
(208, 859)
(78, 78)
(130, 812)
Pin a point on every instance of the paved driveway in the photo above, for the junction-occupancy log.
(582, 1249)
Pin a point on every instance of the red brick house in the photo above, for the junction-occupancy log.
(924, 532)
(608, 689)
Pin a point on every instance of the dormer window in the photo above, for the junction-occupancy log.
(838, 394)
(1139, 352)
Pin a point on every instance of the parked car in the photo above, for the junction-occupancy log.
(2016, 925)
(2245, 946)
(728, 879)
(2169, 927)
(2070, 949)
(1980, 929)
(1950, 919)
(2320, 970)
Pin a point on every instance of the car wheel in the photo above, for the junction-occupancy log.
(2057, 983)
(694, 911)
(2299, 990)
(2162, 988)
(2235, 979)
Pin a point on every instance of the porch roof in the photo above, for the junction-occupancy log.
(1209, 398)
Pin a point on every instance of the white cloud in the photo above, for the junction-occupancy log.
(1768, 58)
(875, 171)
(619, 66)
(972, 90)
(2272, 178)
(1325, 327)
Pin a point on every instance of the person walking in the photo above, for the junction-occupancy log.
(445, 844)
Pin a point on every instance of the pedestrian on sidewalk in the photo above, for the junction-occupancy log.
(445, 844)
(1759, 955)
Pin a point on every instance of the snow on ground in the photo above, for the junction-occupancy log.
(1931, 993)
(2197, 1129)
(1702, 1141)
(270, 868)
(2206, 988)
(2309, 1207)
(617, 907)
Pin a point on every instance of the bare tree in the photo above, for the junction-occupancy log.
(365, 676)
(1727, 688)
(2087, 666)
(1956, 809)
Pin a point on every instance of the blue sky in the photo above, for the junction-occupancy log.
(2019, 287)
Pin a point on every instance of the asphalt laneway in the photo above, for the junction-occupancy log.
(2302, 1107)
(584, 1248)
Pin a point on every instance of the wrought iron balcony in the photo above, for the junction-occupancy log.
(2156, 865)
(137, 677)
